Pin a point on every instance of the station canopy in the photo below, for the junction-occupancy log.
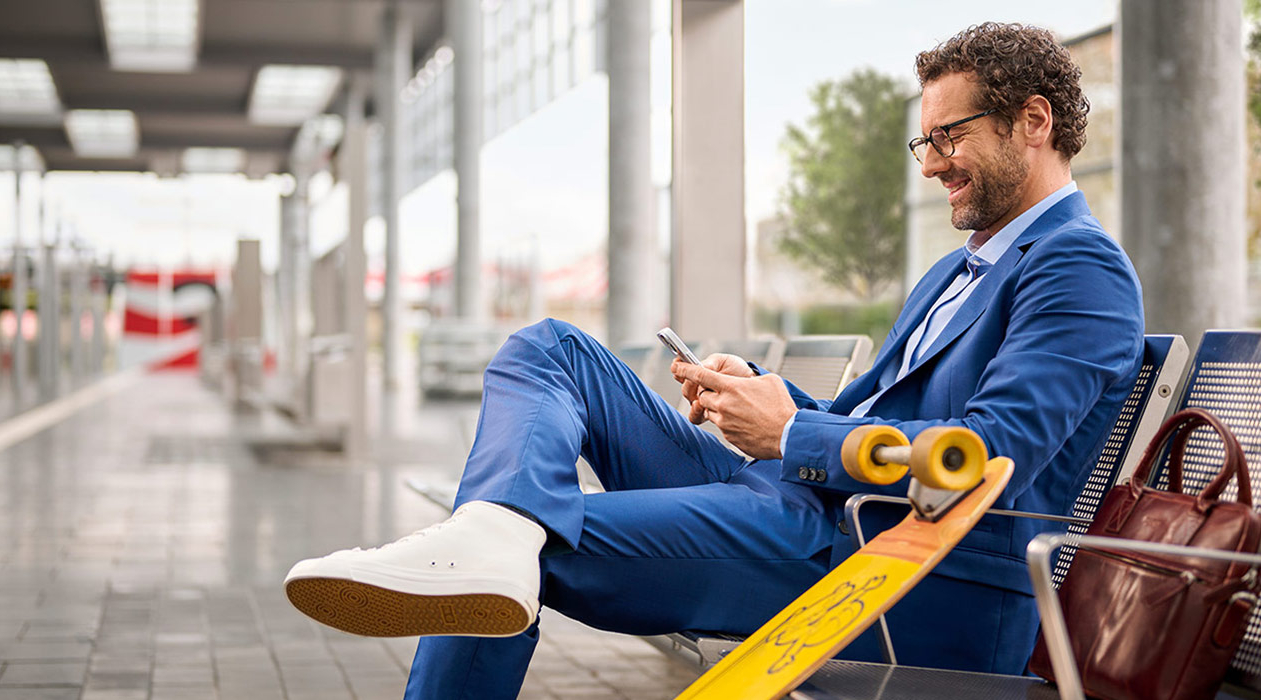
(176, 86)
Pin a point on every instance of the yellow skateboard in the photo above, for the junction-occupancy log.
(953, 485)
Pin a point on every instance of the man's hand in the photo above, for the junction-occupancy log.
(719, 362)
(750, 411)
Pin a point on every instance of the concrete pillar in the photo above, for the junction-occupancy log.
(285, 293)
(632, 239)
(465, 30)
(293, 285)
(49, 325)
(1183, 161)
(707, 296)
(302, 270)
(18, 290)
(352, 166)
(247, 323)
(78, 294)
(99, 301)
(394, 68)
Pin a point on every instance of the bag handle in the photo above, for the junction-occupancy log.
(1181, 425)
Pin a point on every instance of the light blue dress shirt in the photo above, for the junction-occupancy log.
(988, 252)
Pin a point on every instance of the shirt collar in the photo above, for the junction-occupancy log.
(992, 249)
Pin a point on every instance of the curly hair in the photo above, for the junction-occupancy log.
(1013, 62)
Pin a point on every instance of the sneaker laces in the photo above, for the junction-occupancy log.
(418, 534)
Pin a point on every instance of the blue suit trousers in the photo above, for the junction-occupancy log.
(689, 534)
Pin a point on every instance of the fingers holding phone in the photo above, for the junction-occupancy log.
(722, 363)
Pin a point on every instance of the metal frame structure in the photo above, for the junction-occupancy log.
(1054, 630)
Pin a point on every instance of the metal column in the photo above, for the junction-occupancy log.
(1183, 161)
(352, 168)
(49, 325)
(78, 291)
(708, 251)
(301, 281)
(18, 289)
(393, 70)
(631, 230)
(286, 294)
(294, 286)
(99, 300)
(465, 30)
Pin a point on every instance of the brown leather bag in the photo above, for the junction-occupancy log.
(1160, 626)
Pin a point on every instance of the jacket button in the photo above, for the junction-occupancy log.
(822, 476)
(843, 527)
(803, 473)
(814, 475)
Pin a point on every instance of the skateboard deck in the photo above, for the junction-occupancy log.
(844, 603)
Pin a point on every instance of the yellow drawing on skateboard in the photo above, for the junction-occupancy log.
(953, 486)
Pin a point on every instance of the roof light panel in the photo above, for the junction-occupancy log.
(289, 95)
(152, 35)
(103, 133)
(213, 160)
(26, 88)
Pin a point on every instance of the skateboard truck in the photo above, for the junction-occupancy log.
(930, 503)
(946, 464)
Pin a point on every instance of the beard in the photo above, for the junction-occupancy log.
(995, 183)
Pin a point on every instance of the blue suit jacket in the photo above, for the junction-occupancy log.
(1037, 361)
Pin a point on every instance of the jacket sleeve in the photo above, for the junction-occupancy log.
(1073, 329)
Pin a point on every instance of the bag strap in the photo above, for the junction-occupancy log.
(1180, 425)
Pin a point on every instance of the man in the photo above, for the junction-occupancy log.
(1031, 336)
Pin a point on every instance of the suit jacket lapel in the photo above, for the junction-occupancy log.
(971, 309)
(912, 315)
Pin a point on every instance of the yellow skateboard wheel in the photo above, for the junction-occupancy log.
(858, 458)
(948, 458)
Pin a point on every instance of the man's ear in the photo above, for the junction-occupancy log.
(1037, 123)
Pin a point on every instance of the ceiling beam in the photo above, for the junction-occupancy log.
(164, 104)
(259, 161)
(71, 51)
(275, 139)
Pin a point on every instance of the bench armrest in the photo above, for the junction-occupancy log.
(855, 504)
(1054, 631)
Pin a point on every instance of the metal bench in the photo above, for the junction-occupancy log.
(1164, 357)
(811, 362)
(1225, 378)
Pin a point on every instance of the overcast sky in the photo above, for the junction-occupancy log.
(545, 178)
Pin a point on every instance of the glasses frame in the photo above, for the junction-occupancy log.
(945, 129)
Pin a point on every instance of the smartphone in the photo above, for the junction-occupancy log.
(672, 341)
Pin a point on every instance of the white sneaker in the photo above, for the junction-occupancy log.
(475, 574)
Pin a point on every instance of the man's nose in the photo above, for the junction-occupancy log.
(933, 163)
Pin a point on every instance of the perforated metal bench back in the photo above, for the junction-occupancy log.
(821, 365)
(1164, 357)
(767, 352)
(1225, 379)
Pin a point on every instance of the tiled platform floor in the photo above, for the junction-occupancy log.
(143, 541)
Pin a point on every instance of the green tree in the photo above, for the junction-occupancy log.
(1252, 20)
(843, 204)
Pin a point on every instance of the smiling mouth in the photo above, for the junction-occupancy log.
(954, 189)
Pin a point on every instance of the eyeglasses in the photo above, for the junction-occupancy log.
(939, 137)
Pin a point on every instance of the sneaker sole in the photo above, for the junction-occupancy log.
(372, 611)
